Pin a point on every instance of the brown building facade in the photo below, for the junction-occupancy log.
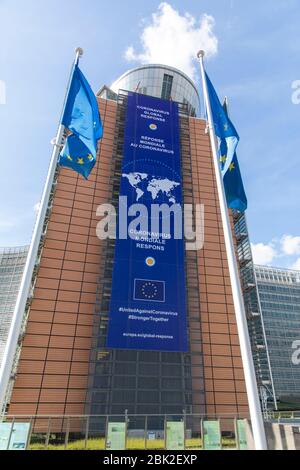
(64, 366)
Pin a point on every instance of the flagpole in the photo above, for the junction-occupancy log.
(25, 286)
(248, 365)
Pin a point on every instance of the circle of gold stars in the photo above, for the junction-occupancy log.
(149, 290)
(80, 160)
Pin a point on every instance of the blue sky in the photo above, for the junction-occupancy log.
(255, 62)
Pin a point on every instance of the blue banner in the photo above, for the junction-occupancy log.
(148, 298)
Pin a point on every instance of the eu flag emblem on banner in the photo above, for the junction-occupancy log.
(151, 291)
(224, 129)
(81, 117)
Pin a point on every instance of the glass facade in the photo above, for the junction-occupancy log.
(279, 293)
(255, 323)
(163, 82)
(12, 262)
(166, 92)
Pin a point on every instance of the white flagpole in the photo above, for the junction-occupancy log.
(18, 315)
(249, 371)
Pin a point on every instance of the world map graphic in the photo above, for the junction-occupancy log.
(142, 182)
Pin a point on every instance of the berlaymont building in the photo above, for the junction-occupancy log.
(72, 363)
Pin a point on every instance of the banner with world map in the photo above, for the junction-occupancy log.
(148, 297)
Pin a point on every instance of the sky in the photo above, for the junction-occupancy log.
(253, 51)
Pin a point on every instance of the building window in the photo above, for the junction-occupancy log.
(167, 87)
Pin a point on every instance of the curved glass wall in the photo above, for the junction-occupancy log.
(163, 82)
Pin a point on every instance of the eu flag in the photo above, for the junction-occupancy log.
(234, 188)
(77, 156)
(233, 183)
(149, 290)
(224, 129)
(81, 117)
(228, 140)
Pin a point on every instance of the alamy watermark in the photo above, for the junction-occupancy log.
(2, 92)
(296, 92)
(296, 353)
(152, 227)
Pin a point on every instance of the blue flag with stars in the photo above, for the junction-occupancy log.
(224, 129)
(228, 139)
(81, 117)
(233, 183)
(234, 188)
(76, 156)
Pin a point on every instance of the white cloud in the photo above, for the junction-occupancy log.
(2, 92)
(290, 245)
(36, 207)
(263, 254)
(296, 265)
(285, 249)
(174, 39)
